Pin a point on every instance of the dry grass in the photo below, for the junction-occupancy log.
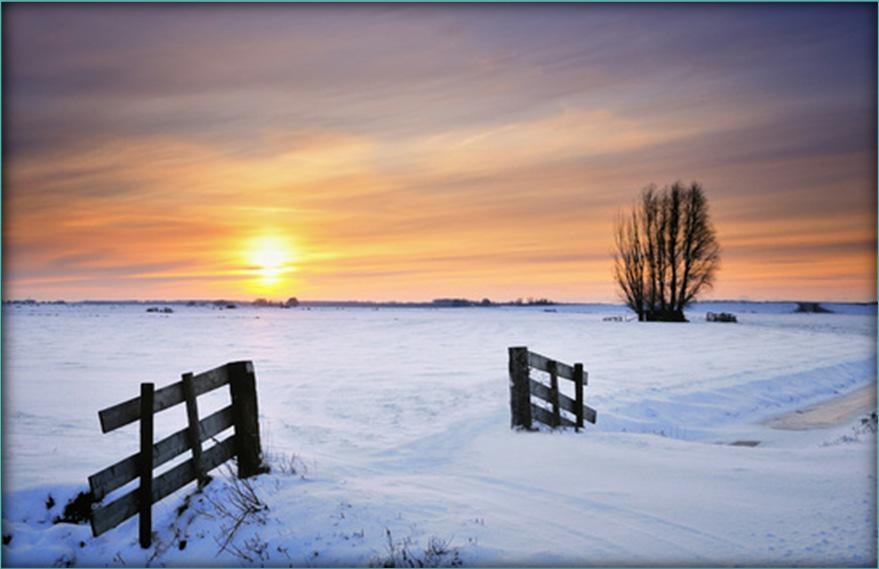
(438, 553)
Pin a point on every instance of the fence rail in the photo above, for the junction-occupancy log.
(543, 363)
(129, 411)
(523, 387)
(243, 444)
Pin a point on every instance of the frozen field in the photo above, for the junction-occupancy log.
(401, 420)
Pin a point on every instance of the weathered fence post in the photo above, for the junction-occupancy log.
(145, 505)
(520, 390)
(554, 394)
(242, 383)
(193, 431)
(578, 395)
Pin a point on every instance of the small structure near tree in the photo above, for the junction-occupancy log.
(721, 317)
(811, 308)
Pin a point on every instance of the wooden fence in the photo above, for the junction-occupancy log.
(245, 444)
(523, 387)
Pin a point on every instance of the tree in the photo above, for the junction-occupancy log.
(666, 252)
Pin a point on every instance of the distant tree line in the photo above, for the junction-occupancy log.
(461, 302)
(291, 302)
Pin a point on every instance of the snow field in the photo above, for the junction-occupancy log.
(401, 419)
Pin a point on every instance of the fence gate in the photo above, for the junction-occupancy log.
(523, 387)
(244, 444)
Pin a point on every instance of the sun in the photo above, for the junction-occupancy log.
(270, 257)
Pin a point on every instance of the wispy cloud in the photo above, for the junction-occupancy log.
(430, 150)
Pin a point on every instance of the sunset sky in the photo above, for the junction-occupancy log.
(411, 152)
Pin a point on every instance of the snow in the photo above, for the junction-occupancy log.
(399, 421)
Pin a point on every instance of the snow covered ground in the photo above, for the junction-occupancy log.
(398, 424)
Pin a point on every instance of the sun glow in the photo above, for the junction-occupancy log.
(269, 259)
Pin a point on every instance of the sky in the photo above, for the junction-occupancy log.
(380, 152)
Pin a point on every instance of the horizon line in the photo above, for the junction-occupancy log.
(524, 302)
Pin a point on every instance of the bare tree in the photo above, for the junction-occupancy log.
(666, 251)
(629, 262)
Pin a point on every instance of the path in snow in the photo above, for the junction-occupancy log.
(832, 412)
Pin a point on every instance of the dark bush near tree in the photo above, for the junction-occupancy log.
(812, 307)
(666, 252)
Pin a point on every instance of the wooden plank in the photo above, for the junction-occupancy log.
(590, 414)
(145, 490)
(554, 394)
(520, 396)
(578, 395)
(242, 385)
(111, 515)
(124, 471)
(129, 411)
(184, 473)
(545, 417)
(542, 363)
(543, 392)
(193, 438)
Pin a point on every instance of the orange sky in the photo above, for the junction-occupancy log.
(421, 152)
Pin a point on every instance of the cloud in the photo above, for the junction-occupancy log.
(472, 146)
